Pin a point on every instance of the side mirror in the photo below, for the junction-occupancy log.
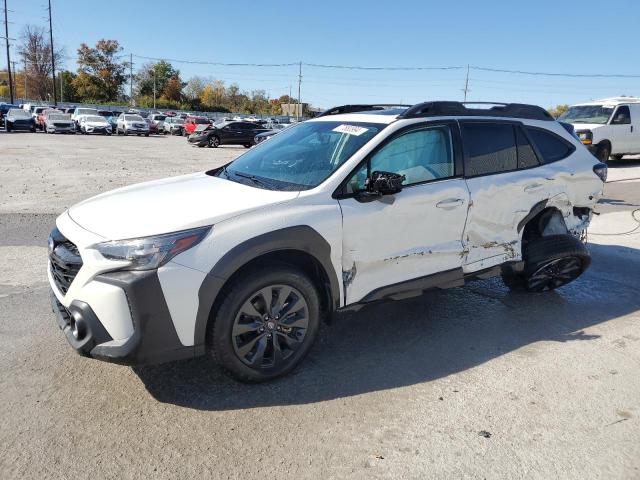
(384, 183)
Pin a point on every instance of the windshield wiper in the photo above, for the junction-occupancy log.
(254, 179)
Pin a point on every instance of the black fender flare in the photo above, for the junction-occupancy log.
(301, 237)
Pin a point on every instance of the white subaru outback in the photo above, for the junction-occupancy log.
(361, 204)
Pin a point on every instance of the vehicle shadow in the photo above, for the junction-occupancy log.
(414, 341)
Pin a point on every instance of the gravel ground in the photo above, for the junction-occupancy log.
(472, 382)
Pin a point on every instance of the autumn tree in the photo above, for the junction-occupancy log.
(100, 75)
(173, 89)
(35, 50)
(208, 96)
(194, 87)
(558, 110)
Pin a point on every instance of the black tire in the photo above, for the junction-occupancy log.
(513, 280)
(247, 145)
(554, 261)
(617, 157)
(146, 134)
(258, 338)
(213, 142)
(7, 128)
(603, 152)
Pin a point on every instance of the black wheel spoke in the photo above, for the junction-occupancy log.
(249, 310)
(243, 328)
(277, 353)
(258, 356)
(283, 294)
(247, 347)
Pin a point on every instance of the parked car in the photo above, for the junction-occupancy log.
(40, 119)
(80, 112)
(36, 114)
(158, 120)
(4, 108)
(113, 120)
(58, 122)
(173, 125)
(271, 130)
(244, 261)
(227, 133)
(129, 124)
(610, 128)
(94, 124)
(153, 128)
(192, 122)
(19, 119)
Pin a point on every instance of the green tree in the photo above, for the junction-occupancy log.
(67, 91)
(100, 75)
(161, 71)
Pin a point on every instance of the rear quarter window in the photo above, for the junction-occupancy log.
(550, 146)
(489, 148)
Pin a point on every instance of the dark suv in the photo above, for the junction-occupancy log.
(226, 133)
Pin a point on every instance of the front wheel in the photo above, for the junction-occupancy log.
(266, 324)
(213, 142)
(617, 157)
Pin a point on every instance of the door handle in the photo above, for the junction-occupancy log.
(450, 203)
(533, 187)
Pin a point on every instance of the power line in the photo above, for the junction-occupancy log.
(550, 74)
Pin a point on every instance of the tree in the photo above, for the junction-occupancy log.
(558, 110)
(100, 75)
(194, 87)
(208, 97)
(35, 50)
(161, 71)
(67, 91)
(173, 89)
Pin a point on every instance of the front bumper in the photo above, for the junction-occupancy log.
(154, 338)
(102, 130)
(200, 141)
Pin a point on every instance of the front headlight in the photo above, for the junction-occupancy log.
(585, 136)
(151, 252)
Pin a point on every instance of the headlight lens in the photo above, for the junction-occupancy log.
(151, 252)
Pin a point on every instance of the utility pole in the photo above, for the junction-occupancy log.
(466, 84)
(299, 109)
(6, 38)
(53, 63)
(131, 79)
(154, 87)
(25, 76)
(15, 83)
(61, 86)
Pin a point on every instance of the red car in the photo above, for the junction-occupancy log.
(42, 115)
(191, 123)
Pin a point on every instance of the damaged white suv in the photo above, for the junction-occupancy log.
(361, 204)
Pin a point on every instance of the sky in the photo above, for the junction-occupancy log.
(561, 36)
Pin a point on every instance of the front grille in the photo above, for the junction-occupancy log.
(65, 260)
(62, 125)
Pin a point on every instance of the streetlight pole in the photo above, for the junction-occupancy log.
(154, 87)
(53, 62)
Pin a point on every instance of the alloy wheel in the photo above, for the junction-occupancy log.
(270, 326)
(554, 274)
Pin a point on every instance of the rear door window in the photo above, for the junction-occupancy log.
(550, 146)
(526, 155)
(490, 148)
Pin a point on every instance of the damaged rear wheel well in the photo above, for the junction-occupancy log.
(548, 221)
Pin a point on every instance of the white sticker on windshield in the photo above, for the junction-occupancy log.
(350, 129)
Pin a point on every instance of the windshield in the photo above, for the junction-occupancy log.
(587, 114)
(59, 116)
(303, 156)
(179, 121)
(201, 121)
(86, 111)
(16, 113)
(159, 118)
(133, 118)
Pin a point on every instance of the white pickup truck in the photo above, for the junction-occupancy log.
(610, 127)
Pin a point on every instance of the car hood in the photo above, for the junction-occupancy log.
(170, 205)
(587, 126)
(97, 124)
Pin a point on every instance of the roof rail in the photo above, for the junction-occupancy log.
(513, 110)
(359, 108)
